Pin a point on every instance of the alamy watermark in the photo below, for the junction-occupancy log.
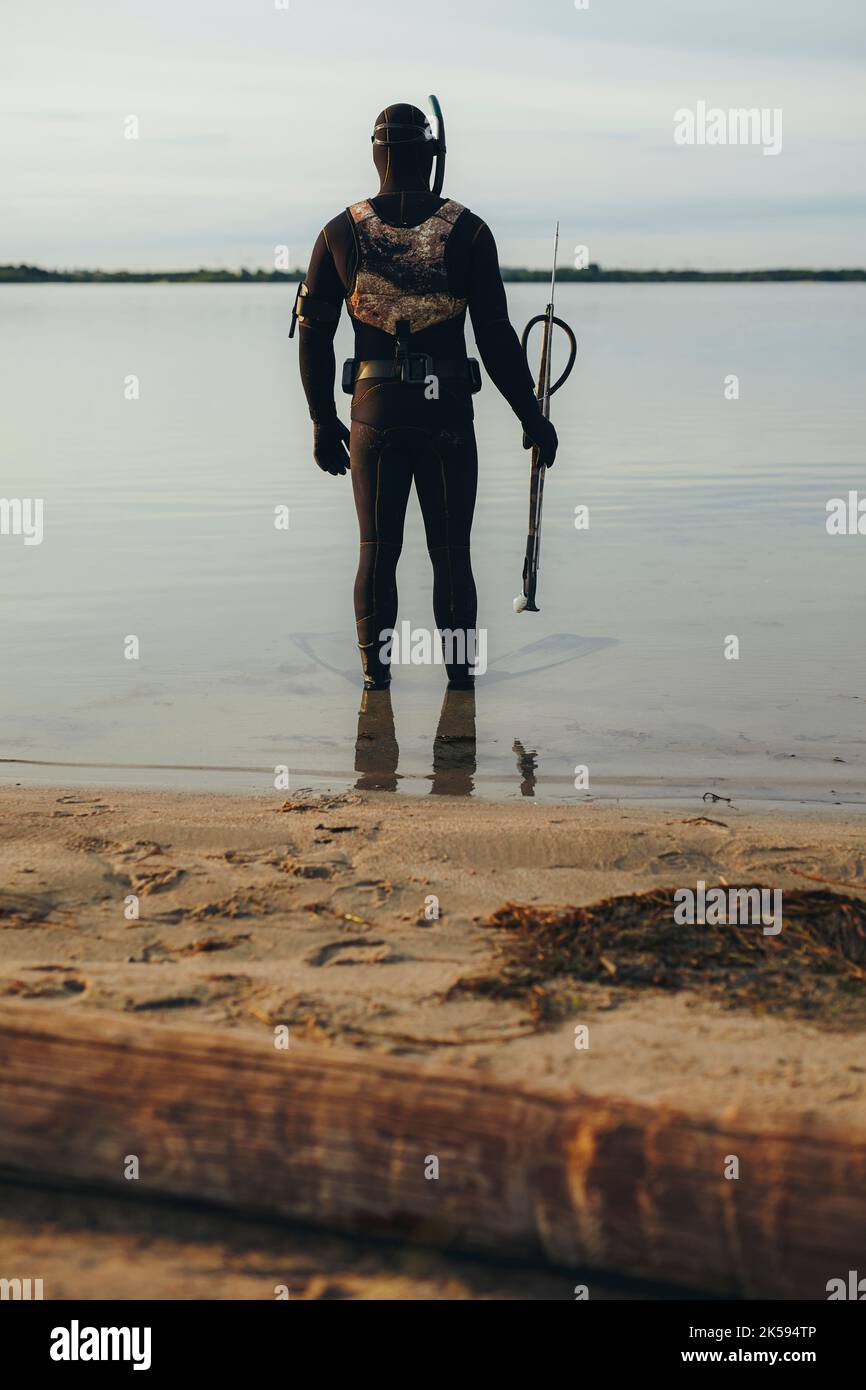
(21, 1289)
(735, 906)
(77, 1343)
(854, 1288)
(22, 516)
(418, 646)
(846, 517)
(737, 126)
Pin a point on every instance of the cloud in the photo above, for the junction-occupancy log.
(255, 122)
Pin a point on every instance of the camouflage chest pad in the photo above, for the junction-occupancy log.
(401, 270)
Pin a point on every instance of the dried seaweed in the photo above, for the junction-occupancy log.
(814, 969)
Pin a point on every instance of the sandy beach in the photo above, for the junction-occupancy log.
(315, 913)
(318, 913)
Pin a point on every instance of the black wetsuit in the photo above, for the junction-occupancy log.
(399, 435)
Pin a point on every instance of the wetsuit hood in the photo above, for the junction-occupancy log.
(405, 146)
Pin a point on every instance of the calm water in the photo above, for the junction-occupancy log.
(707, 518)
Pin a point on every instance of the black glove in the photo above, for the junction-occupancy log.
(540, 431)
(330, 438)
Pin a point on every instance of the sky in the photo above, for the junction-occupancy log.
(254, 121)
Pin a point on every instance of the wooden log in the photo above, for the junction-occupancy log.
(341, 1140)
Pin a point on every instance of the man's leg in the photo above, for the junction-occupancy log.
(381, 480)
(446, 477)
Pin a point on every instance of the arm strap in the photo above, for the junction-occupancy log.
(317, 310)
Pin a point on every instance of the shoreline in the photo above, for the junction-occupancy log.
(487, 788)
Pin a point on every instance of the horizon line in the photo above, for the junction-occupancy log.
(24, 273)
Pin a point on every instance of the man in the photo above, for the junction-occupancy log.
(407, 264)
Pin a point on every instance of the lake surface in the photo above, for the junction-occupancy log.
(707, 520)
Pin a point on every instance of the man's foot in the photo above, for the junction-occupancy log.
(461, 680)
(377, 673)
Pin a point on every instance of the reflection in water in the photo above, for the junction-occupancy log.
(526, 765)
(376, 749)
(454, 745)
(377, 752)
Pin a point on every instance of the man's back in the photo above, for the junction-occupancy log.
(471, 278)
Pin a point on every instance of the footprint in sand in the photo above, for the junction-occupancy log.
(52, 982)
(96, 806)
(355, 951)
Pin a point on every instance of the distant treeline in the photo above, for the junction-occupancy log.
(34, 274)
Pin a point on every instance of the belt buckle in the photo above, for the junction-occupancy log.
(417, 366)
